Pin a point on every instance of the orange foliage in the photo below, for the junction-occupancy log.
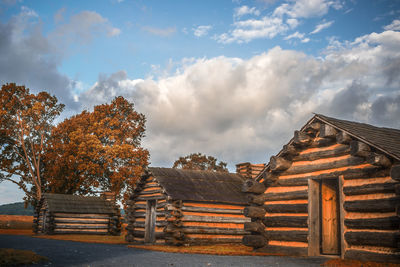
(98, 151)
(25, 126)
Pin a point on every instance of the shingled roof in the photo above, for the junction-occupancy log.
(78, 204)
(200, 185)
(385, 139)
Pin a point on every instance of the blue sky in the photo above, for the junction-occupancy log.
(232, 79)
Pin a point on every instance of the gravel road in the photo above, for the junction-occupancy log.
(69, 253)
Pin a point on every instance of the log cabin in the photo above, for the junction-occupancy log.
(72, 214)
(184, 207)
(333, 190)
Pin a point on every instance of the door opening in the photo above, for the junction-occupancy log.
(150, 223)
(329, 219)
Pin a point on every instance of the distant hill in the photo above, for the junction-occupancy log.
(16, 209)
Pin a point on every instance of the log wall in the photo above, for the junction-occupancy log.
(368, 197)
(48, 222)
(147, 189)
(183, 222)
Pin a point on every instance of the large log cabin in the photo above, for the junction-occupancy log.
(334, 189)
(71, 214)
(183, 207)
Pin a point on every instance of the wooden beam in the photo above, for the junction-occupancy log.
(252, 186)
(285, 221)
(291, 236)
(256, 227)
(279, 164)
(365, 255)
(327, 131)
(301, 138)
(360, 149)
(369, 189)
(289, 150)
(300, 169)
(378, 160)
(194, 218)
(372, 205)
(386, 223)
(368, 238)
(292, 195)
(395, 172)
(343, 138)
(213, 230)
(314, 231)
(336, 152)
(255, 241)
(287, 208)
(212, 210)
(254, 212)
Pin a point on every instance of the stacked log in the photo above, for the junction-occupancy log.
(173, 230)
(249, 170)
(212, 222)
(370, 188)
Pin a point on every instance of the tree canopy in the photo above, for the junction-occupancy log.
(25, 125)
(97, 151)
(197, 161)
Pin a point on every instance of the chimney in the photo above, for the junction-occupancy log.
(249, 170)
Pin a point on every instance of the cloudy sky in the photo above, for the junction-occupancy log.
(232, 79)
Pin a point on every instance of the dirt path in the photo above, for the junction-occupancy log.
(68, 253)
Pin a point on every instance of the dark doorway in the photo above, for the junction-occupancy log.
(150, 224)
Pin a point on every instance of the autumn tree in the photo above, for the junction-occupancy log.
(197, 161)
(25, 125)
(98, 151)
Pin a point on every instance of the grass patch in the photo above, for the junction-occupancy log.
(16, 222)
(103, 239)
(356, 263)
(16, 232)
(10, 257)
(217, 249)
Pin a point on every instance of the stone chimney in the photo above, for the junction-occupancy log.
(249, 170)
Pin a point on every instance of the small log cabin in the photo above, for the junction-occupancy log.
(334, 189)
(183, 207)
(71, 214)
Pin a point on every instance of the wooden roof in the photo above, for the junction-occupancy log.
(78, 204)
(198, 185)
(385, 139)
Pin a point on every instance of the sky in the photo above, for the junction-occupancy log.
(231, 79)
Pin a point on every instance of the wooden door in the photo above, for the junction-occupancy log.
(329, 218)
(150, 224)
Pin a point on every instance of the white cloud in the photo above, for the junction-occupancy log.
(160, 32)
(202, 30)
(306, 8)
(248, 109)
(245, 10)
(82, 28)
(322, 26)
(394, 26)
(295, 35)
(284, 17)
(248, 30)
